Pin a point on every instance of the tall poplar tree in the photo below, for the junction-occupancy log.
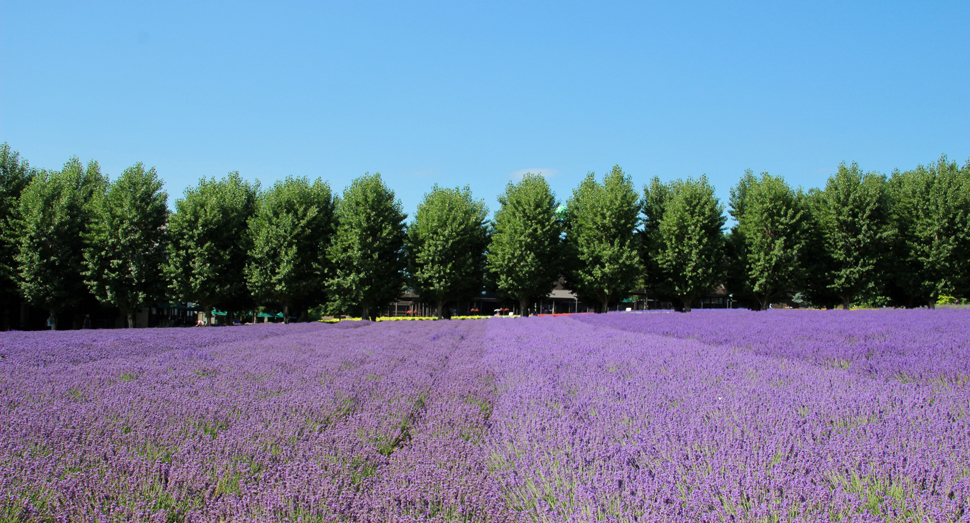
(769, 236)
(291, 230)
(689, 247)
(655, 197)
(601, 239)
(367, 250)
(15, 174)
(818, 262)
(524, 255)
(127, 242)
(852, 215)
(931, 212)
(55, 218)
(446, 246)
(209, 243)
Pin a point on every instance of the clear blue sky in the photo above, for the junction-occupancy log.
(460, 93)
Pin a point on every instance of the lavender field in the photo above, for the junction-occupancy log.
(707, 416)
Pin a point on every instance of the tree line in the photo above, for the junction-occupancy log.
(901, 240)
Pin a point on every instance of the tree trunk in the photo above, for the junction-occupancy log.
(131, 320)
(605, 305)
(846, 303)
(931, 303)
(765, 303)
(441, 308)
(523, 307)
(286, 315)
(24, 315)
(53, 320)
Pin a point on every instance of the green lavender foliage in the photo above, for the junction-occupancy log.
(127, 244)
(768, 241)
(601, 241)
(525, 252)
(55, 218)
(367, 251)
(446, 246)
(209, 242)
(291, 230)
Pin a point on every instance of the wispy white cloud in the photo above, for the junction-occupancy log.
(545, 172)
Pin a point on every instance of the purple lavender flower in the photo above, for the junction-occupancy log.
(712, 416)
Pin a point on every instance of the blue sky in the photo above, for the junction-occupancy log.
(477, 93)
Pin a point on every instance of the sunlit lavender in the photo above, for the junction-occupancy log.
(707, 416)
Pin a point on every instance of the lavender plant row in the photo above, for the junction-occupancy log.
(908, 345)
(294, 423)
(596, 423)
(501, 420)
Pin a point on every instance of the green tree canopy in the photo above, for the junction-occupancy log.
(818, 264)
(446, 246)
(524, 255)
(852, 217)
(601, 239)
(367, 251)
(127, 242)
(769, 238)
(15, 174)
(291, 230)
(931, 212)
(54, 220)
(654, 203)
(688, 245)
(209, 243)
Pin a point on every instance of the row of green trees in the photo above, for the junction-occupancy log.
(898, 240)
(865, 237)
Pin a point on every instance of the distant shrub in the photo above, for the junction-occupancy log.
(946, 300)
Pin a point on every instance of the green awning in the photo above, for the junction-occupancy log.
(217, 312)
(265, 315)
